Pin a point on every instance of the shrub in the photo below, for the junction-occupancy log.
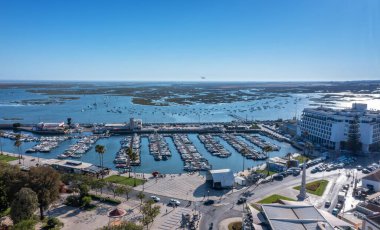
(105, 199)
(73, 201)
(53, 222)
(86, 201)
(25, 225)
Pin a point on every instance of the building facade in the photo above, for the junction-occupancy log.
(330, 127)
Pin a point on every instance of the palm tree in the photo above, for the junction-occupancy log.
(244, 153)
(141, 196)
(288, 155)
(18, 145)
(1, 143)
(100, 149)
(266, 150)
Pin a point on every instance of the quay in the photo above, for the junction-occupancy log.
(188, 142)
(243, 148)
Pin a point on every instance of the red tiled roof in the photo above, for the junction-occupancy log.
(117, 213)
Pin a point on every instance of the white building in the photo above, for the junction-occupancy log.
(135, 124)
(221, 178)
(372, 181)
(329, 127)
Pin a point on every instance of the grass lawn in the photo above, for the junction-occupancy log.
(265, 172)
(316, 187)
(123, 180)
(7, 158)
(274, 199)
(235, 226)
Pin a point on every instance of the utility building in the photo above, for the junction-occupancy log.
(221, 178)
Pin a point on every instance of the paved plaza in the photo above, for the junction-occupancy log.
(184, 186)
(170, 218)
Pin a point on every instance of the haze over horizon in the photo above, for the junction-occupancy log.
(185, 41)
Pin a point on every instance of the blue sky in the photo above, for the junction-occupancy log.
(235, 40)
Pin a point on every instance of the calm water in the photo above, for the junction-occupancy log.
(84, 111)
(173, 165)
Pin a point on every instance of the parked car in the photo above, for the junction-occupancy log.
(335, 212)
(366, 171)
(155, 198)
(339, 206)
(284, 174)
(278, 177)
(359, 167)
(327, 204)
(296, 173)
(174, 202)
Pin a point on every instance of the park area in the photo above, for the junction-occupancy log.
(124, 180)
(275, 198)
(316, 187)
(7, 158)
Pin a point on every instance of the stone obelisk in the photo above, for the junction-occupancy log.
(302, 196)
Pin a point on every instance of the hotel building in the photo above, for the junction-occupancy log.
(329, 127)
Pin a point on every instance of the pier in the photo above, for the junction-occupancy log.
(242, 147)
(259, 142)
(193, 160)
(158, 147)
(212, 146)
(83, 145)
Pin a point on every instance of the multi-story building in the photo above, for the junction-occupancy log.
(330, 127)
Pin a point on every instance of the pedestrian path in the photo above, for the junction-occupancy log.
(172, 219)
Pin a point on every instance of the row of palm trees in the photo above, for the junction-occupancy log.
(100, 149)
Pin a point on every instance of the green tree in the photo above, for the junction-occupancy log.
(100, 149)
(17, 144)
(84, 189)
(353, 141)
(1, 143)
(127, 191)
(98, 185)
(112, 187)
(119, 190)
(150, 212)
(4, 203)
(130, 156)
(141, 196)
(24, 205)
(45, 181)
(86, 201)
(13, 179)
